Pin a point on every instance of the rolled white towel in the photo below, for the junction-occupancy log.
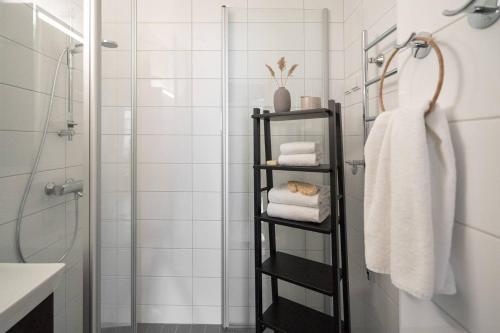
(298, 213)
(292, 148)
(299, 160)
(282, 195)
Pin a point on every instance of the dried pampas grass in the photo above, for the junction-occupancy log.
(282, 67)
(273, 74)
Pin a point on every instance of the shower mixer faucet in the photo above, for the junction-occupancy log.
(69, 131)
(70, 186)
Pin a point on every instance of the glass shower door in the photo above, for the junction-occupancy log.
(253, 38)
(116, 168)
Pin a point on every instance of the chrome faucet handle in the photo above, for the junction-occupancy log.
(71, 123)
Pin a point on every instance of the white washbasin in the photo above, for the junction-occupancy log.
(23, 287)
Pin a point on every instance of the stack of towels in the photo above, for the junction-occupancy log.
(300, 154)
(297, 206)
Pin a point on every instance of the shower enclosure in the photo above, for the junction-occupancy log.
(125, 153)
(175, 228)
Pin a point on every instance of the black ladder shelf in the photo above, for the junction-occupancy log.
(284, 315)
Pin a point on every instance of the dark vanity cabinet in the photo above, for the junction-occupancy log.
(39, 320)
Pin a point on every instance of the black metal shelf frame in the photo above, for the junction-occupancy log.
(284, 315)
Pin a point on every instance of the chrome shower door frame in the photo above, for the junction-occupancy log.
(92, 98)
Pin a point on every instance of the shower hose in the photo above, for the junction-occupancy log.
(34, 169)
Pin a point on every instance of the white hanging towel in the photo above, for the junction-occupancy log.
(410, 185)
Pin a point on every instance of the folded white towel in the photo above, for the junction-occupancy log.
(281, 195)
(298, 213)
(299, 160)
(410, 183)
(292, 148)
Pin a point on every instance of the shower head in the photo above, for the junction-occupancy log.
(109, 44)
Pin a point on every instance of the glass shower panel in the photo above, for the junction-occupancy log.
(116, 168)
(37, 40)
(257, 37)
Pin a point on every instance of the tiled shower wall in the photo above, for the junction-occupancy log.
(179, 151)
(28, 57)
(471, 101)
(374, 302)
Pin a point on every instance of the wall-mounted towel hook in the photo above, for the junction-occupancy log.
(479, 16)
(405, 43)
(420, 49)
(355, 165)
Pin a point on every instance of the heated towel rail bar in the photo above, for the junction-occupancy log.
(419, 50)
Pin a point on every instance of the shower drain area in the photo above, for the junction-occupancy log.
(174, 328)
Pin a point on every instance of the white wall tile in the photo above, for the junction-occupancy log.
(335, 8)
(163, 92)
(207, 206)
(115, 11)
(164, 205)
(275, 4)
(207, 177)
(163, 10)
(164, 120)
(207, 64)
(168, 234)
(165, 290)
(116, 64)
(165, 314)
(164, 64)
(207, 315)
(269, 36)
(207, 263)
(164, 149)
(207, 291)
(477, 206)
(207, 149)
(210, 11)
(207, 121)
(206, 36)
(175, 262)
(206, 92)
(164, 177)
(163, 36)
(207, 234)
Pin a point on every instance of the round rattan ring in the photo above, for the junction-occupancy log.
(439, 55)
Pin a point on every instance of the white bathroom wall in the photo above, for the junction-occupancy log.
(470, 99)
(374, 302)
(29, 49)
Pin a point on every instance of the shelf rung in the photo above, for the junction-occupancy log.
(294, 115)
(290, 317)
(300, 271)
